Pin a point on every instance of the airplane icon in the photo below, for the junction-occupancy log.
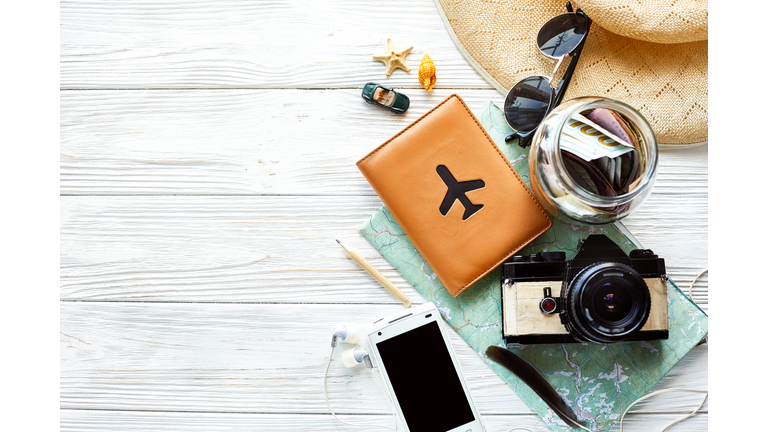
(457, 191)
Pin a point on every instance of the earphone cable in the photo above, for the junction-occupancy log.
(621, 423)
(391, 402)
(690, 288)
(328, 402)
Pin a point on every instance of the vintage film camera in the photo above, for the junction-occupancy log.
(601, 295)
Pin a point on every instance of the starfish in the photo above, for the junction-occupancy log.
(394, 58)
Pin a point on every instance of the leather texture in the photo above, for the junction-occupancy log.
(404, 173)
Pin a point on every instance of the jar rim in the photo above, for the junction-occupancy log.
(648, 176)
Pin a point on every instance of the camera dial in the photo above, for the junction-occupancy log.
(605, 302)
(548, 304)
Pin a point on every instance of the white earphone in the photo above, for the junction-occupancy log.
(347, 332)
(353, 356)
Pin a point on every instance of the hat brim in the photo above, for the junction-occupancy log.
(667, 83)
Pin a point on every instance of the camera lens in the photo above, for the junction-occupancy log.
(606, 302)
(612, 301)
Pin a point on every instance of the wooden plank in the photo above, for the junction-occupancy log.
(258, 358)
(265, 249)
(225, 44)
(277, 142)
(227, 142)
(92, 420)
(219, 249)
(236, 366)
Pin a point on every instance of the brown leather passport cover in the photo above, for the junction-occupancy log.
(445, 162)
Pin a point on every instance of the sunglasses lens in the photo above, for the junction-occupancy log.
(562, 34)
(527, 103)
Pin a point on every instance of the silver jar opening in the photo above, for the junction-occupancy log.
(555, 187)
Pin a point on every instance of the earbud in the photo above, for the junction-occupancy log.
(355, 356)
(351, 358)
(348, 333)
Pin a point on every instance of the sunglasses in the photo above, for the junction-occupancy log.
(531, 99)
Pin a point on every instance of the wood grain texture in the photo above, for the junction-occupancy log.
(77, 420)
(213, 310)
(276, 44)
(258, 358)
(277, 142)
(265, 249)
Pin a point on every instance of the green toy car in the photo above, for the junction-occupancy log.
(376, 94)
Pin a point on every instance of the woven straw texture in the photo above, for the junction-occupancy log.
(667, 83)
(660, 21)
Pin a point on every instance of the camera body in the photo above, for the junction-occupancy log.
(601, 295)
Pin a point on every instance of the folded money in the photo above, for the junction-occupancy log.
(600, 152)
(586, 139)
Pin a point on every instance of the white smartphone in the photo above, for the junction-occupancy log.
(420, 370)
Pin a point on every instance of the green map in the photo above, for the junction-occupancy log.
(598, 381)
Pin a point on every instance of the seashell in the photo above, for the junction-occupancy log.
(427, 76)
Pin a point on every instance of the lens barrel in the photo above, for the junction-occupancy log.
(606, 302)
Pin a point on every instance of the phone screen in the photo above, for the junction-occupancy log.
(424, 380)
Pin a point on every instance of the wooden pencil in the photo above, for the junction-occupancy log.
(356, 257)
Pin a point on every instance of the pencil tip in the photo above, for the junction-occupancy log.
(338, 242)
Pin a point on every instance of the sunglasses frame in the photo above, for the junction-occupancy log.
(526, 137)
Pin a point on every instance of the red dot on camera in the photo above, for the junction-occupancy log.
(549, 305)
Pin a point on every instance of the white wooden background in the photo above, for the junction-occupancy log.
(208, 157)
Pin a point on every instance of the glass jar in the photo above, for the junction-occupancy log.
(556, 189)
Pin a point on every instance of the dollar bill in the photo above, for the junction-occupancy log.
(589, 141)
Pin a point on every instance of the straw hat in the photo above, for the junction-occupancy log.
(651, 55)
